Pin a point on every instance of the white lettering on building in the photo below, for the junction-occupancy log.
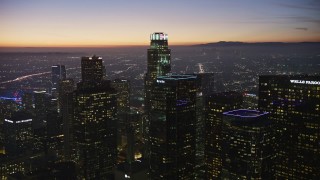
(22, 121)
(305, 82)
(160, 81)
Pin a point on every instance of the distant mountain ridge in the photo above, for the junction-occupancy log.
(238, 43)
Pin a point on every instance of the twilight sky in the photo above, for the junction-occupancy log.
(129, 22)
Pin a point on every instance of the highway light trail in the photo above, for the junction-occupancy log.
(24, 77)
(29, 76)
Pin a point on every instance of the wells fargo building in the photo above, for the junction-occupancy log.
(294, 106)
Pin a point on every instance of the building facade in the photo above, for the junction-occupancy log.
(216, 104)
(205, 85)
(94, 130)
(92, 69)
(158, 64)
(65, 86)
(294, 106)
(247, 145)
(172, 127)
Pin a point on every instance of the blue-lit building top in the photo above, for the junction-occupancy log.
(246, 117)
(175, 77)
(245, 113)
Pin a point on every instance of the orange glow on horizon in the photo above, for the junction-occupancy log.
(130, 44)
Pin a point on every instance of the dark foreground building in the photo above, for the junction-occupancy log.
(294, 106)
(18, 133)
(172, 127)
(205, 88)
(247, 145)
(94, 123)
(94, 131)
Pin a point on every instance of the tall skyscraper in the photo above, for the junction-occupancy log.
(94, 130)
(205, 88)
(172, 127)
(92, 69)
(294, 106)
(158, 64)
(216, 104)
(58, 73)
(122, 87)
(159, 58)
(65, 108)
(247, 145)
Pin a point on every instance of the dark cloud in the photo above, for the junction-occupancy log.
(312, 5)
(302, 29)
(300, 19)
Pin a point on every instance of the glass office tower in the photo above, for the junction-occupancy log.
(158, 64)
(173, 127)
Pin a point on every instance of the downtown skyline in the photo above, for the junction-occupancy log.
(103, 23)
(182, 112)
